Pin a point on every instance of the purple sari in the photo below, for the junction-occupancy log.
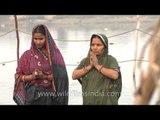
(52, 64)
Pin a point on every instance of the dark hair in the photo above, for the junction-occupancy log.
(39, 29)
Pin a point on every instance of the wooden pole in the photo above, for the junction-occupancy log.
(17, 35)
(136, 47)
(150, 78)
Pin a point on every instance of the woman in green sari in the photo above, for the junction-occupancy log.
(100, 73)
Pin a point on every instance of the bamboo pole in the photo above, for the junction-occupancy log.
(150, 78)
(17, 35)
(136, 48)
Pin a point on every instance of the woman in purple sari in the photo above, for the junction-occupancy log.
(41, 77)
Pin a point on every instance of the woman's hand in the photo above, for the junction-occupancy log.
(50, 77)
(37, 74)
(41, 75)
(93, 59)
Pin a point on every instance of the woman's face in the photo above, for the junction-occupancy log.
(97, 46)
(39, 40)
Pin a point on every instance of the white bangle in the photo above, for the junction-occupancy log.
(23, 78)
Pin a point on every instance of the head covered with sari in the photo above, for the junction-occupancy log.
(56, 65)
(96, 84)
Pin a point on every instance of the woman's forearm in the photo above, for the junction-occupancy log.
(113, 74)
(79, 73)
(32, 77)
(27, 78)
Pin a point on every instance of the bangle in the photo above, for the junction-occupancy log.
(100, 68)
(85, 69)
(23, 78)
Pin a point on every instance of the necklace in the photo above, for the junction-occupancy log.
(43, 53)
